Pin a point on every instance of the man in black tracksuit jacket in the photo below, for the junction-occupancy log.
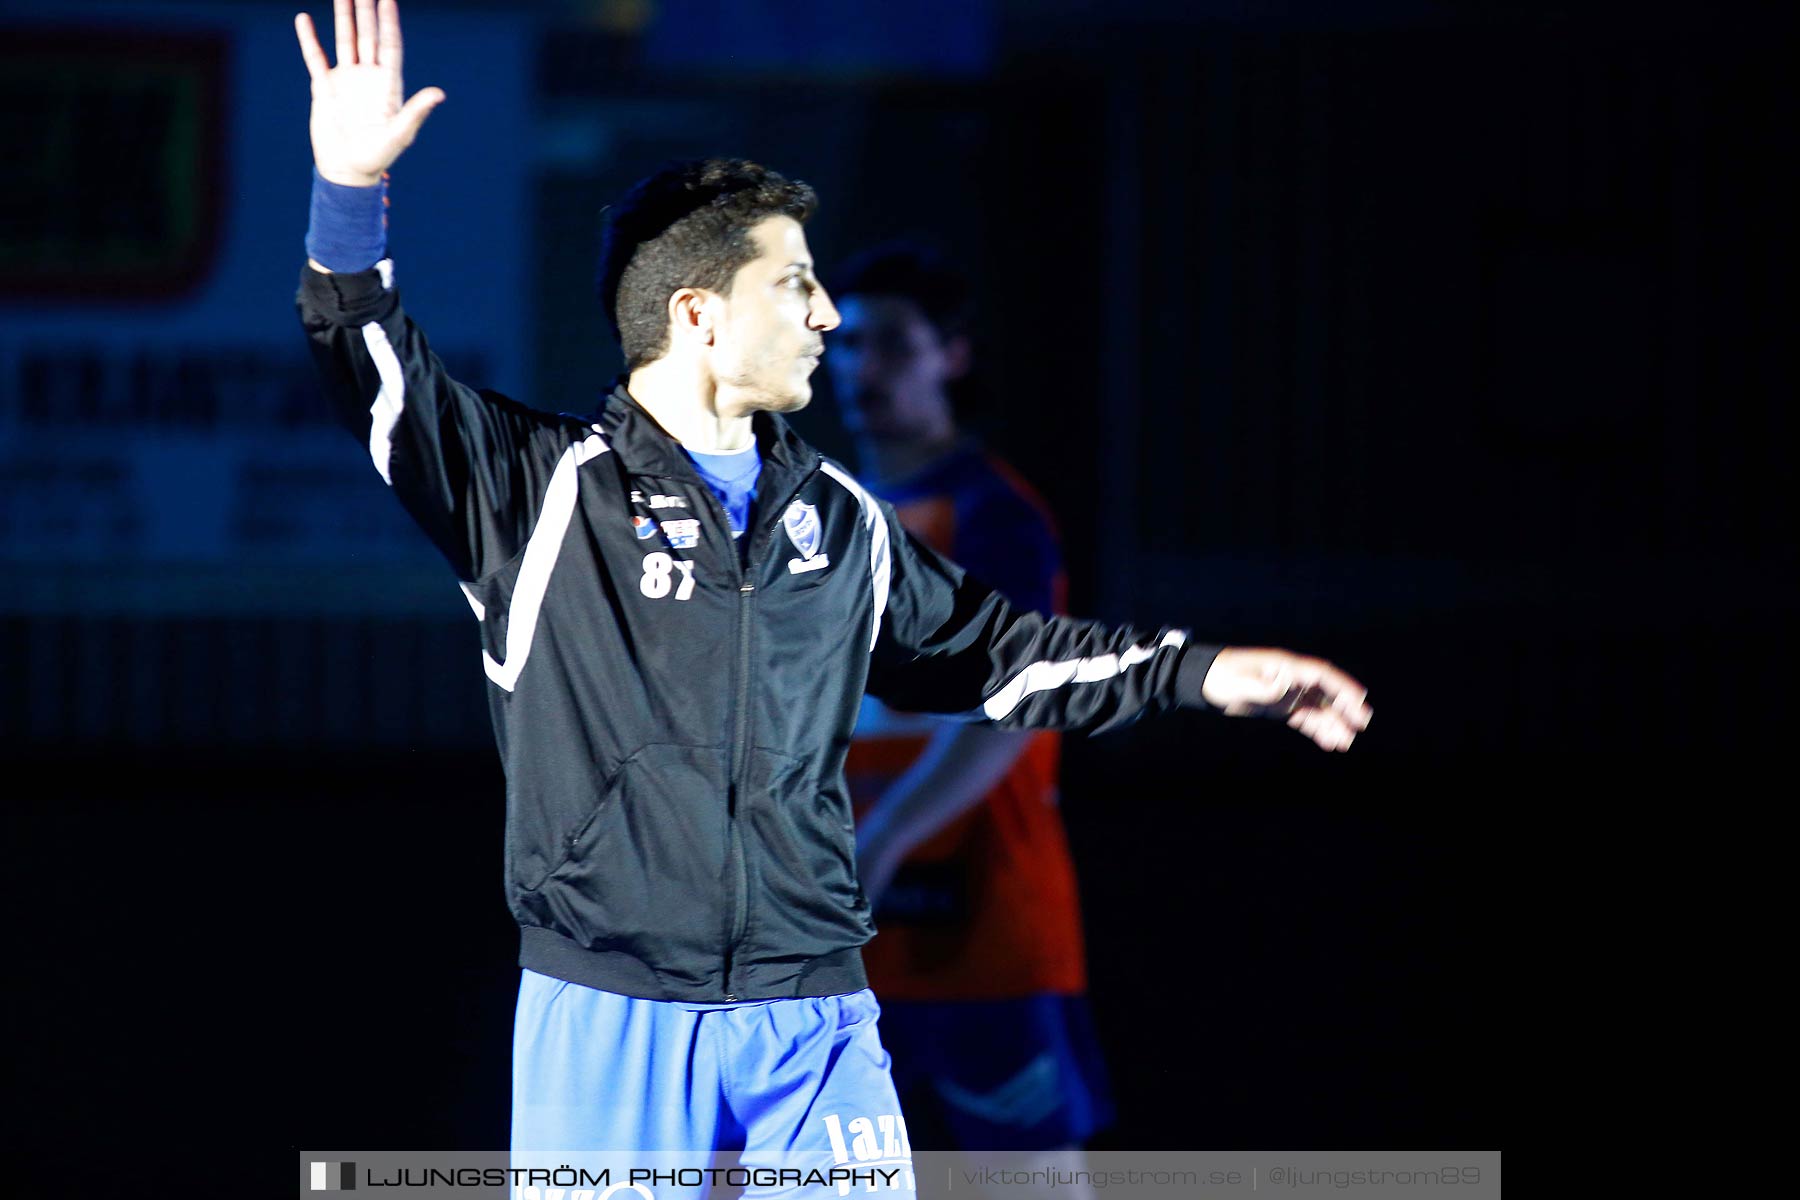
(675, 657)
(673, 721)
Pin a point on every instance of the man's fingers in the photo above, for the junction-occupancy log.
(390, 37)
(1349, 703)
(417, 109)
(344, 26)
(310, 51)
(390, 51)
(1325, 727)
(1312, 695)
(1319, 673)
(1337, 688)
(365, 33)
(1313, 722)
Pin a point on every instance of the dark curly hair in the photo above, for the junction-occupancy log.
(688, 225)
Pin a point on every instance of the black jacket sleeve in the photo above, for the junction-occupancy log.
(471, 467)
(948, 643)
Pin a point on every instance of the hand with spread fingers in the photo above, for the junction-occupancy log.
(1312, 695)
(360, 120)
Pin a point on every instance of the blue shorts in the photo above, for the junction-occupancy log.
(790, 1084)
(1022, 1074)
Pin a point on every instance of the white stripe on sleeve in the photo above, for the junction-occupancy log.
(879, 562)
(1043, 676)
(540, 559)
(390, 401)
(480, 608)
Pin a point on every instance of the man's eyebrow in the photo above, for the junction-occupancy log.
(804, 266)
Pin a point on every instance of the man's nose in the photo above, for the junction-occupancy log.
(822, 314)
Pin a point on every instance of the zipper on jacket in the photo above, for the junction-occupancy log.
(740, 750)
(740, 874)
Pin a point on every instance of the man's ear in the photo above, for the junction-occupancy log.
(692, 313)
(959, 356)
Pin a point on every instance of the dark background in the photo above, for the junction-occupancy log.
(1449, 342)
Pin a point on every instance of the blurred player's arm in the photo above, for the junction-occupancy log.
(950, 644)
(959, 765)
(1013, 545)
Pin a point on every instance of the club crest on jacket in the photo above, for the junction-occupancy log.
(802, 524)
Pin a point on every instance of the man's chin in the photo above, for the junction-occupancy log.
(784, 402)
(796, 401)
(739, 402)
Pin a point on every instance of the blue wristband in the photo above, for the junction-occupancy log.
(349, 225)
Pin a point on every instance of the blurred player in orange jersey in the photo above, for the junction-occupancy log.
(978, 962)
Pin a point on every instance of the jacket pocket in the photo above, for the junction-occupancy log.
(547, 818)
(643, 874)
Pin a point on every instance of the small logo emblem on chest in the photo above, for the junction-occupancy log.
(644, 527)
(802, 524)
(682, 535)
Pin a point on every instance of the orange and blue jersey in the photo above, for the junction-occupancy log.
(987, 907)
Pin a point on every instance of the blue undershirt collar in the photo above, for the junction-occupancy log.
(732, 478)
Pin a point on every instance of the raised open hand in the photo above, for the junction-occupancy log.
(359, 123)
(1313, 696)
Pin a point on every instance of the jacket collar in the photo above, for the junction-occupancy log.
(644, 447)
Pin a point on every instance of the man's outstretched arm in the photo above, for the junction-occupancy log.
(949, 644)
(471, 467)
